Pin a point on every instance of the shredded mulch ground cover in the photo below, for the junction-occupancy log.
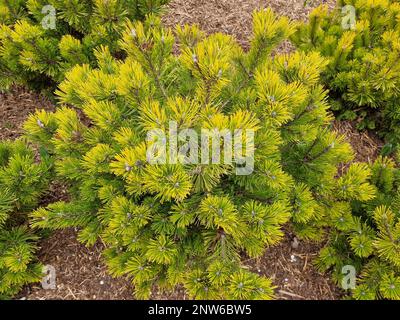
(81, 272)
(366, 144)
(290, 265)
(82, 275)
(234, 17)
(15, 106)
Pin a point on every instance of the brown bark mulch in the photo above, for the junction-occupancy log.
(15, 106)
(290, 266)
(80, 272)
(234, 17)
(82, 275)
(366, 144)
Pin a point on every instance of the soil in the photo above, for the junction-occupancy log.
(290, 265)
(234, 17)
(15, 106)
(81, 272)
(82, 275)
(366, 144)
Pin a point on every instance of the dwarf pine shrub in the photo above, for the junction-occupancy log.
(364, 242)
(361, 39)
(128, 140)
(22, 181)
(40, 40)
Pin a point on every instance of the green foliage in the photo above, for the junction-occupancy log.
(18, 265)
(366, 235)
(22, 182)
(183, 222)
(363, 74)
(40, 40)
